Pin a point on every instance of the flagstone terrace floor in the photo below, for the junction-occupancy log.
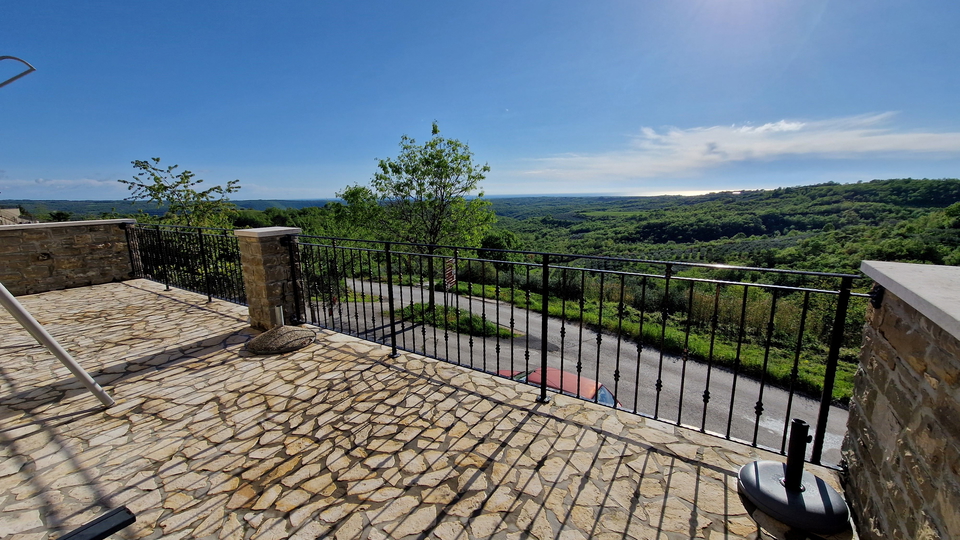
(335, 440)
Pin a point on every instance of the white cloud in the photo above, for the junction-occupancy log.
(675, 152)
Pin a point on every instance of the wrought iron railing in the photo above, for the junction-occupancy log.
(737, 352)
(732, 351)
(198, 259)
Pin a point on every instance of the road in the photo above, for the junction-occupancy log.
(730, 410)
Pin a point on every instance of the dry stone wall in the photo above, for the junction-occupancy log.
(903, 443)
(42, 257)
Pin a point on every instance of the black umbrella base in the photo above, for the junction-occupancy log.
(815, 507)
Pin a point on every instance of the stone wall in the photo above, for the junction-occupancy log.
(903, 443)
(42, 257)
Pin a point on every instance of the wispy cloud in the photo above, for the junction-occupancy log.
(675, 152)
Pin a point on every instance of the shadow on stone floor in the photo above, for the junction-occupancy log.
(339, 440)
(36, 397)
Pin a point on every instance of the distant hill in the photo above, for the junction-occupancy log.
(95, 209)
(819, 227)
(92, 209)
(263, 204)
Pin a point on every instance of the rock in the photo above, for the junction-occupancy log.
(281, 339)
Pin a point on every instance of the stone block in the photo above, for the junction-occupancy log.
(943, 365)
(36, 235)
(881, 348)
(17, 261)
(885, 424)
(867, 444)
(947, 413)
(903, 400)
(38, 271)
(929, 439)
(69, 263)
(864, 394)
(929, 528)
(948, 505)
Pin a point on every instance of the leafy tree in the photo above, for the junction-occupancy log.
(250, 218)
(498, 239)
(358, 216)
(59, 215)
(423, 194)
(185, 204)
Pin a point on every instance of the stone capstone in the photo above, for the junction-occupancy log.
(281, 339)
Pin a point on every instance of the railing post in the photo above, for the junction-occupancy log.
(544, 319)
(133, 249)
(393, 315)
(836, 340)
(665, 315)
(164, 258)
(204, 262)
(296, 275)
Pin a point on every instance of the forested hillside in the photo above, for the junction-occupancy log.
(830, 227)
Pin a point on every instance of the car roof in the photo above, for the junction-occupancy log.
(566, 382)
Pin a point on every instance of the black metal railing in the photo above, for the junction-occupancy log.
(733, 351)
(198, 259)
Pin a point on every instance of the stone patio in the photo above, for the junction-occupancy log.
(335, 440)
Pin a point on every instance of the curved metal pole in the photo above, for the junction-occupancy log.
(27, 321)
(30, 69)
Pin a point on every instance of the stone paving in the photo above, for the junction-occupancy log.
(336, 440)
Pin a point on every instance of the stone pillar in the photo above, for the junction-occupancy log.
(268, 274)
(902, 447)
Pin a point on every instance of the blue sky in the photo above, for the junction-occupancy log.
(299, 99)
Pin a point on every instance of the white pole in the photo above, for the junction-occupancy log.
(31, 325)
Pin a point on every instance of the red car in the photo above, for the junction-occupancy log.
(566, 383)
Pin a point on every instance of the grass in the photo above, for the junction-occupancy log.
(351, 296)
(450, 318)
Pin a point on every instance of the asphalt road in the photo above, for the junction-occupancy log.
(730, 410)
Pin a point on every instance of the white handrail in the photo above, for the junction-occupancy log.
(31, 325)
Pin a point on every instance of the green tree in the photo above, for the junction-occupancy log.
(424, 194)
(360, 215)
(185, 204)
(499, 239)
(59, 215)
(250, 218)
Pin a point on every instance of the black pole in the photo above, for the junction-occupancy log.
(836, 340)
(165, 258)
(799, 437)
(393, 317)
(544, 316)
(206, 268)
